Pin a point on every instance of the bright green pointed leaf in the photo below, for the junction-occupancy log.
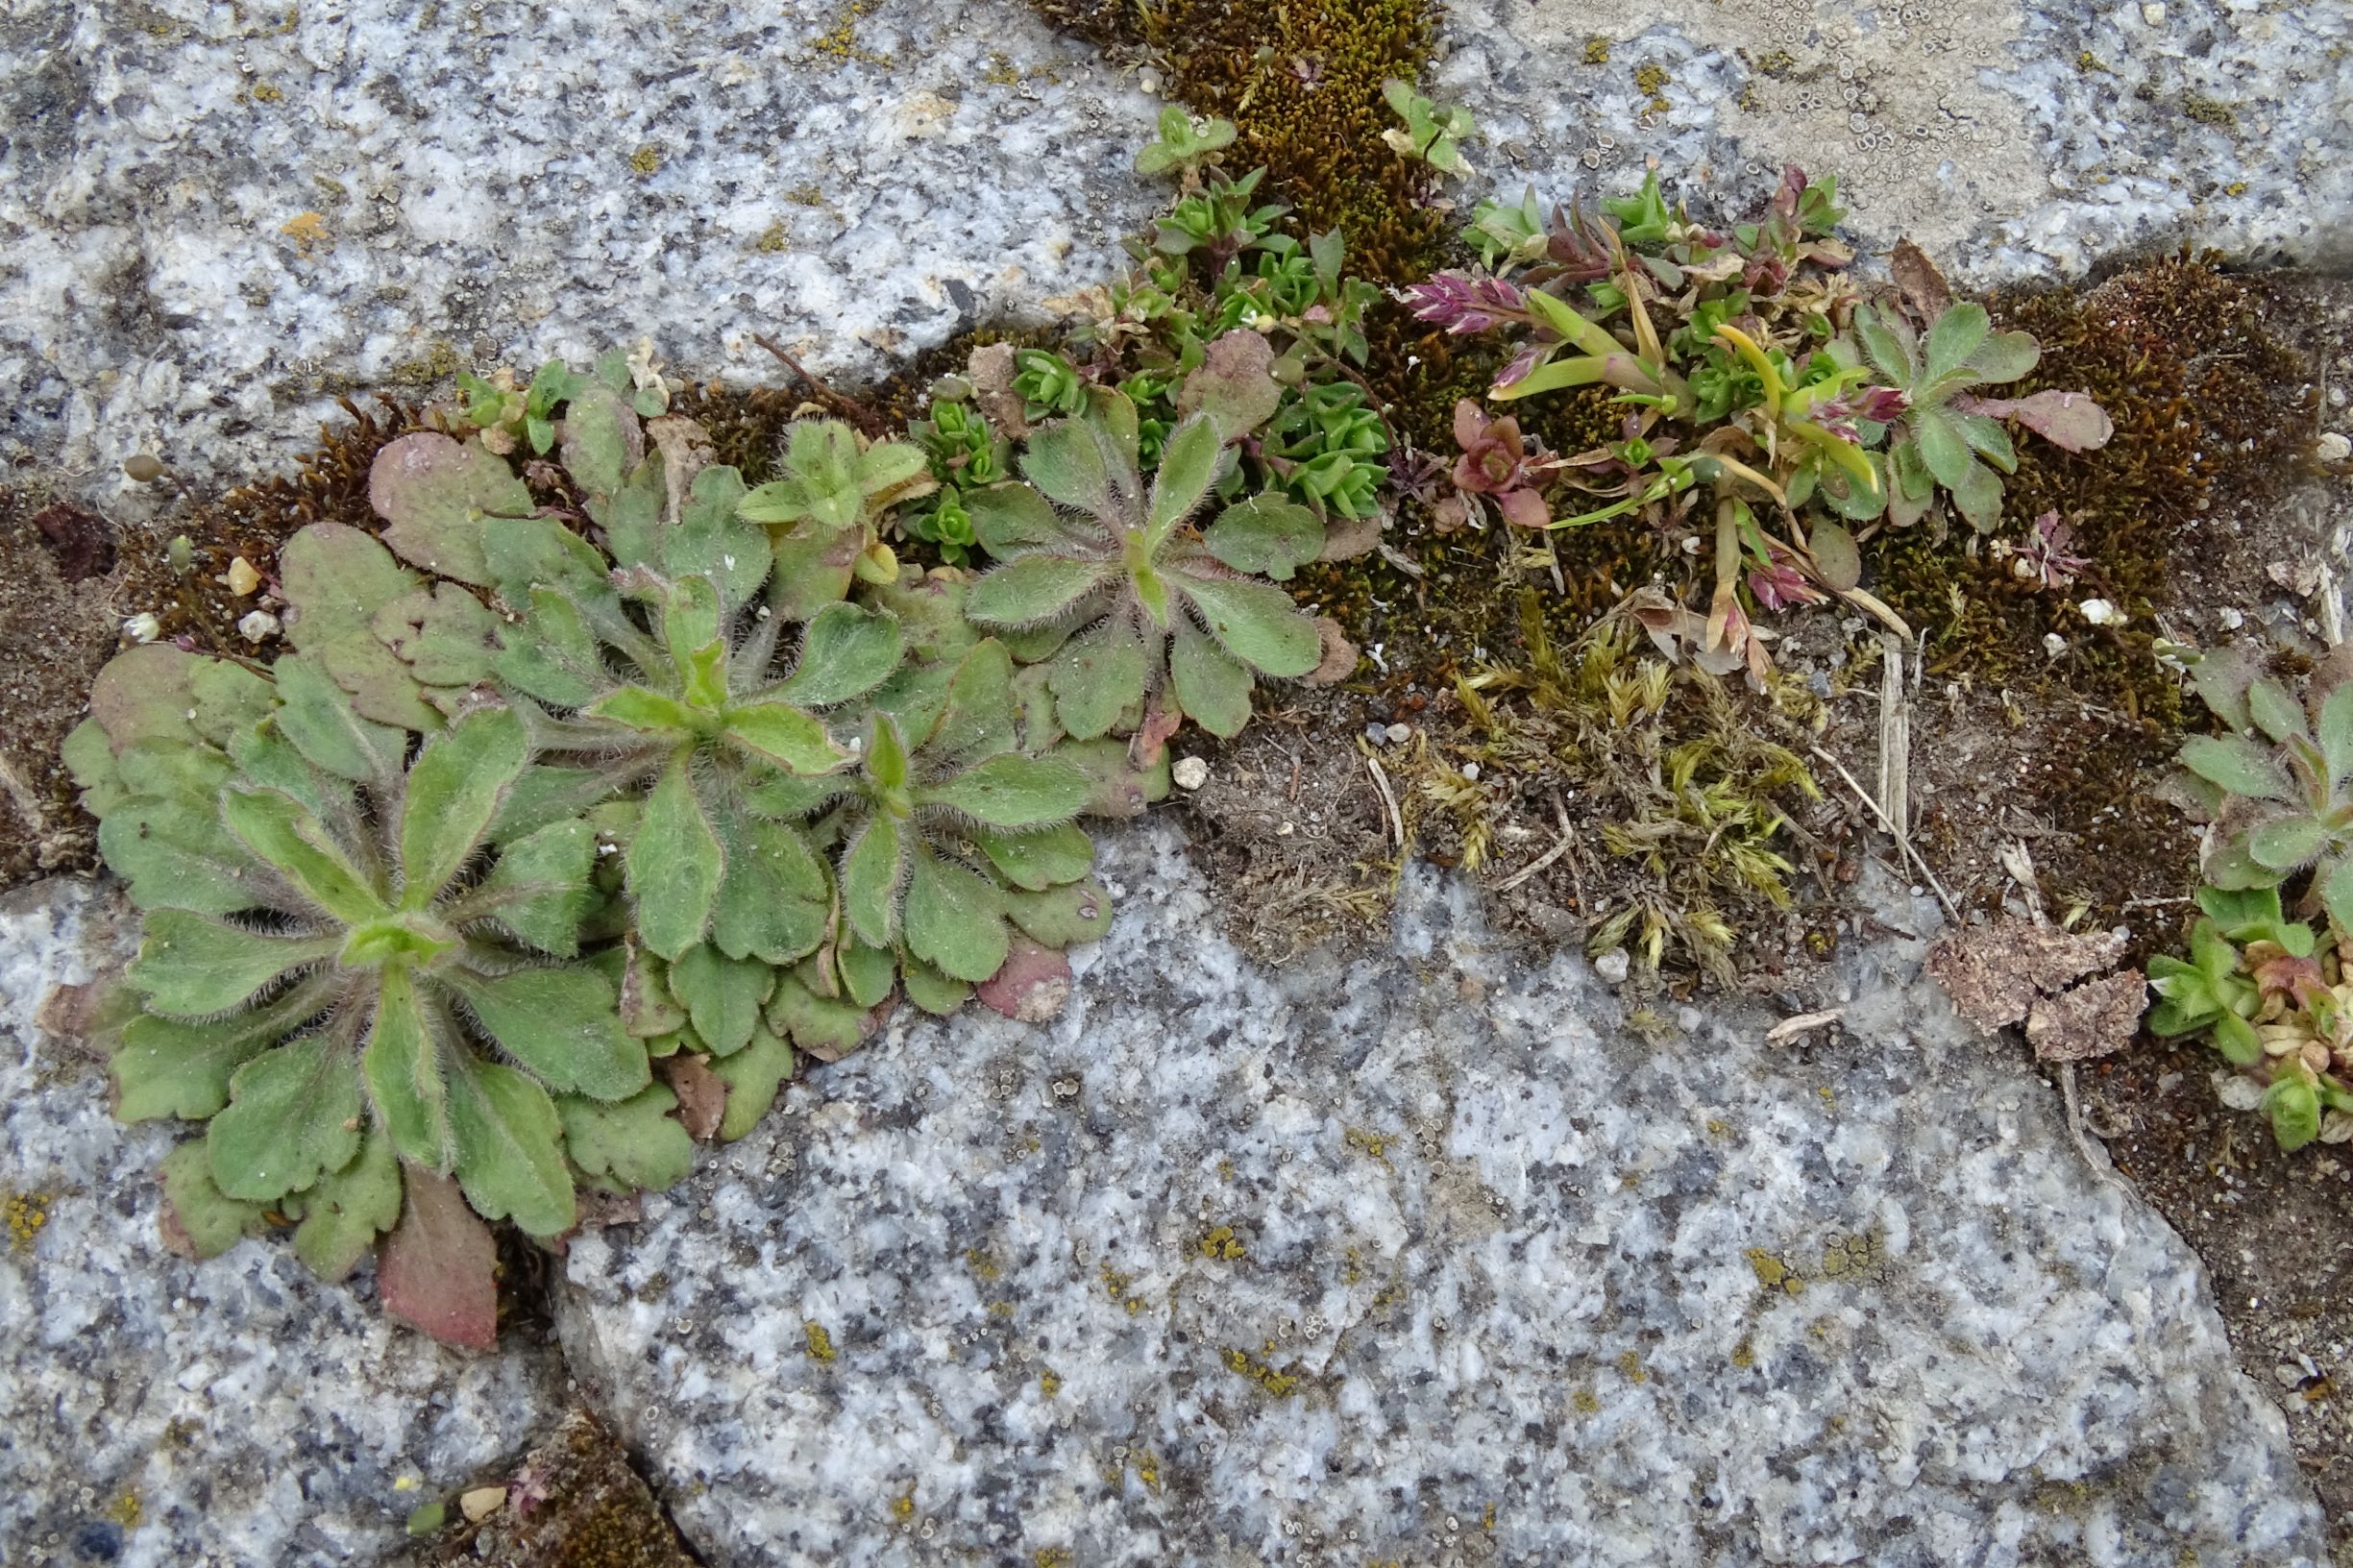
(845, 653)
(293, 1115)
(509, 1161)
(1098, 676)
(774, 899)
(455, 787)
(1267, 536)
(1059, 917)
(955, 919)
(1043, 859)
(1031, 590)
(2276, 713)
(752, 1076)
(1188, 464)
(1957, 334)
(212, 1222)
(189, 965)
(637, 707)
(2238, 765)
(402, 1065)
(1012, 792)
(786, 735)
(564, 1024)
(165, 1067)
(433, 493)
(1212, 689)
(318, 717)
(176, 855)
(343, 1214)
(277, 828)
(1942, 446)
(886, 755)
(1257, 624)
(631, 1145)
(722, 996)
(1990, 441)
(674, 865)
(1067, 460)
(871, 869)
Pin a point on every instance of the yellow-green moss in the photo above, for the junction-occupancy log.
(819, 1342)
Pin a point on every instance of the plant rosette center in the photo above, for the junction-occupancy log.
(415, 940)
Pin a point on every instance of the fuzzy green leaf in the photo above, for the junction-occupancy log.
(641, 708)
(1066, 461)
(1978, 497)
(786, 735)
(509, 1158)
(1267, 536)
(342, 1215)
(444, 635)
(212, 1222)
(713, 541)
(2275, 713)
(2336, 735)
(871, 869)
(2295, 1109)
(930, 989)
(228, 698)
(1257, 624)
(543, 796)
(564, 1024)
(401, 1062)
(277, 828)
(189, 965)
(1040, 860)
(318, 716)
(722, 996)
(846, 653)
(602, 440)
(293, 1115)
(337, 578)
(455, 787)
(1012, 792)
(752, 1076)
(823, 1025)
(674, 865)
(1235, 385)
(1031, 590)
(145, 693)
(2004, 357)
(1059, 917)
(178, 856)
(2336, 884)
(866, 973)
(774, 899)
(1098, 676)
(1956, 335)
(433, 494)
(814, 568)
(1188, 464)
(2288, 844)
(539, 890)
(1943, 448)
(1012, 519)
(90, 760)
(632, 1145)
(1212, 689)
(2238, 765)
(167, 1068)
(553, 655)
(976, 720)
(955, 919)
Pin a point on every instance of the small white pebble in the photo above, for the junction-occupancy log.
(2100, 613)
(2333, 448)
(257, 625)
(2053, 644)
(1613, 965)
(1470, 770)
(2153, 13)
(481, 1503)
(1400, 734)
(143, 627)
(2230, 619)
(1191, 773)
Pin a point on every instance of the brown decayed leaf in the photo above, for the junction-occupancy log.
(702, 1094)
(2092, 1019)
(1032, 987)
(1340, 660)
(1926, 293)
(438, 1269)
(1992, 972)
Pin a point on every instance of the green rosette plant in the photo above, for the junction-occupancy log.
(2277, 788)
(824, 513)
(1122, 598)
(357, 968)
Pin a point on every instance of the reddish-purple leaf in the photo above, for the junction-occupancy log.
(2067, 419)
(438, 1269)
(1032, 987)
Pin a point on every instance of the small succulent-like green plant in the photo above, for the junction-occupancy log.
(1121, 596)
(825, 514)
(1047, 385)
(1218, 221)
(1935, 442)
(2277, 789)
(1184, 143)
(354, 964)
(1431, 135)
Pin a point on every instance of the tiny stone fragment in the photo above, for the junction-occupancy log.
(242, 578)
(257, 625)
(481, 1503)
(1191, 773)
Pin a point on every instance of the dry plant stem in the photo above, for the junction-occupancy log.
(1894, 739)
(1953, 911)
(869, 423)
(1388, 800)
(1539, 863)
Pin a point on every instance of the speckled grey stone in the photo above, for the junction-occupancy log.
(2012, 140)
(159, 1413)
(1424, 1256)
(214, 217)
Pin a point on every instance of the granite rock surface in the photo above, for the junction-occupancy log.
(155, 1411)
(215, 218)
(1431, 1256)
(2012, 140)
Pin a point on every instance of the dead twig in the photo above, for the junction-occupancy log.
(1388, 799)
(869, 423)
(1790, 1028)
(1567, 842)
(1951, 909)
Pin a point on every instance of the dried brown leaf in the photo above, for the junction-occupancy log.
(702, 1094)
(2095, 1019)
(1993, 973)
